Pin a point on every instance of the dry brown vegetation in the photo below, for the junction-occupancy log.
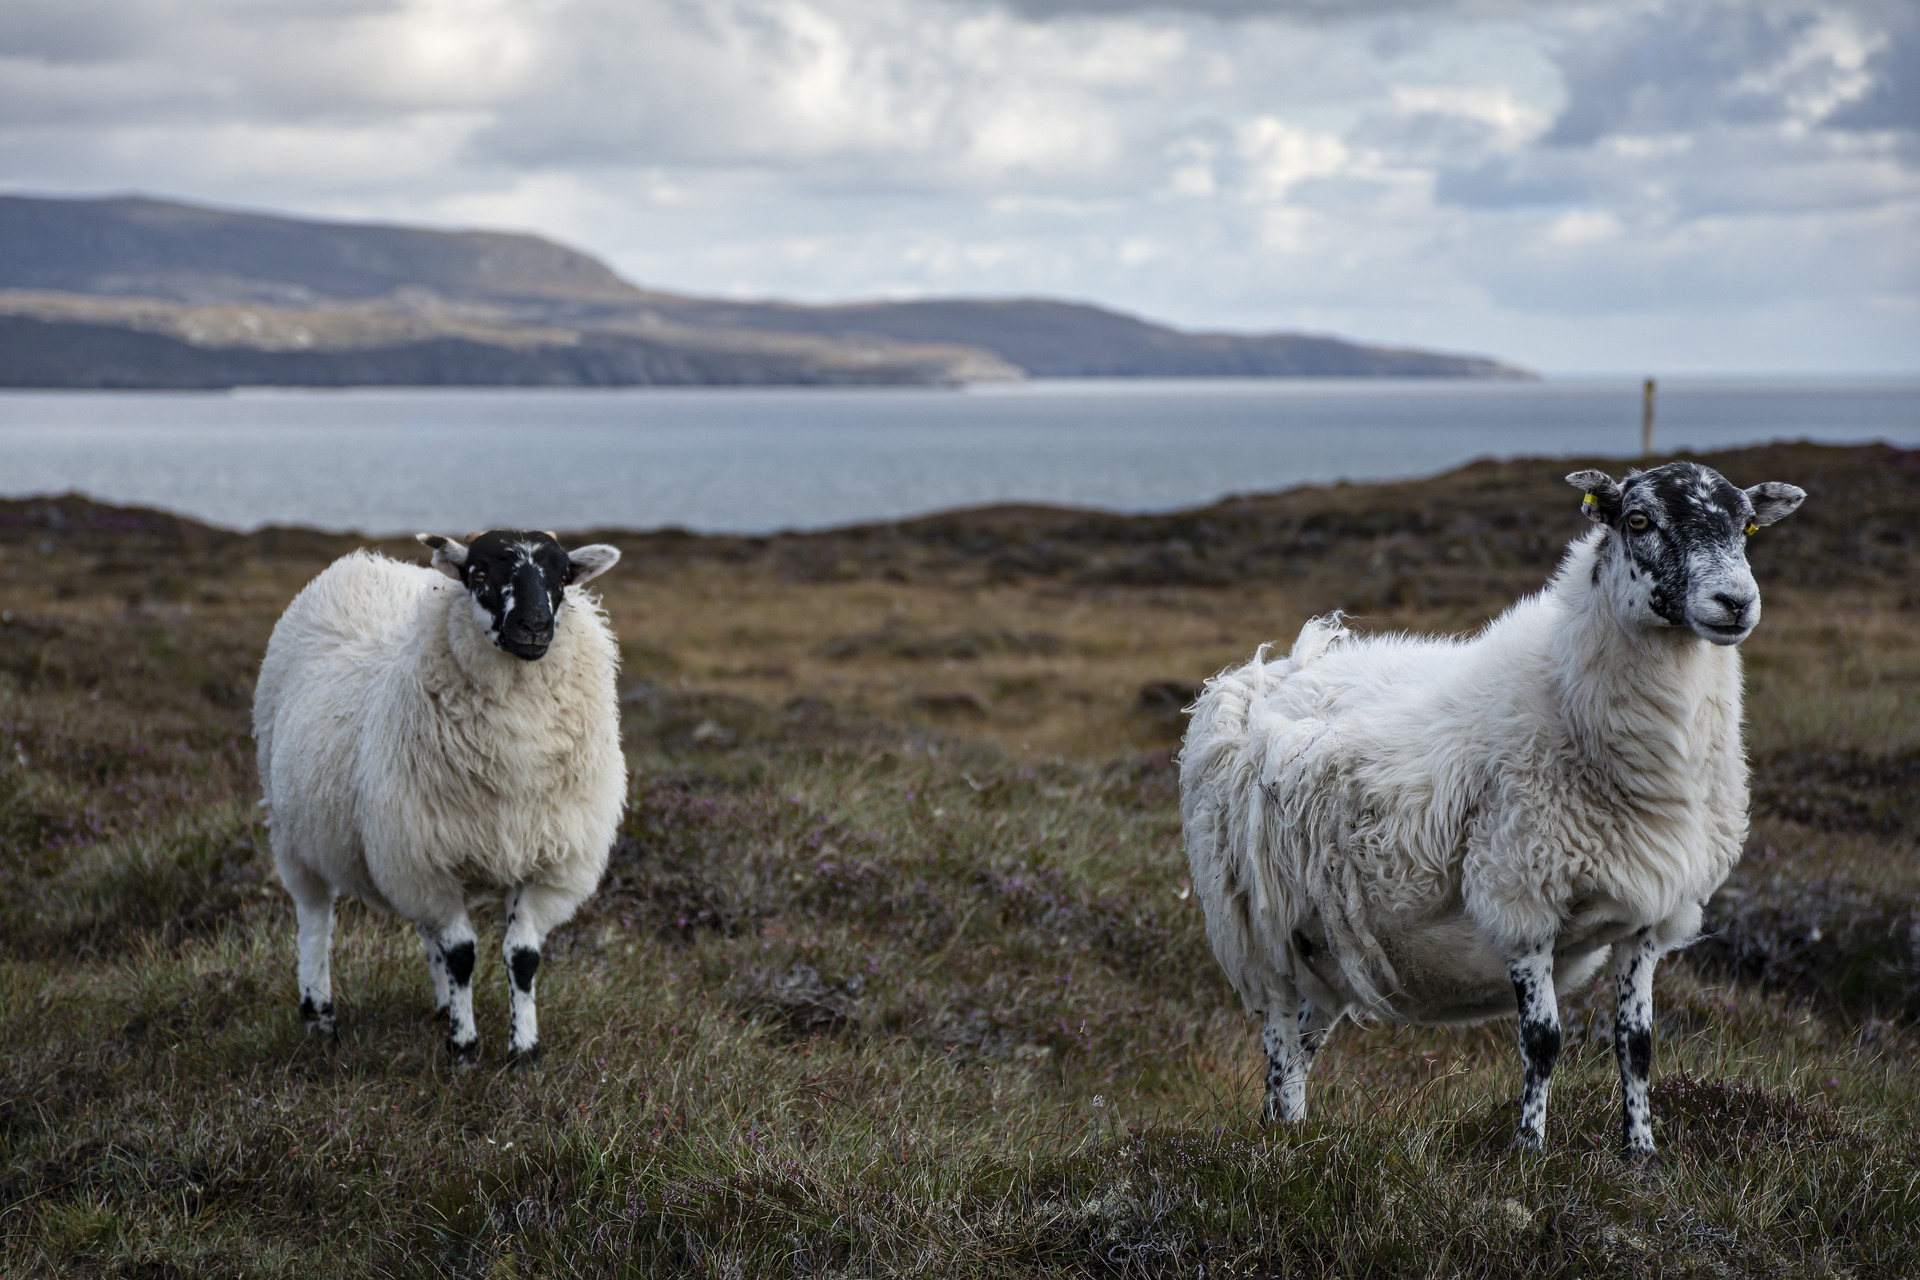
(894, 972)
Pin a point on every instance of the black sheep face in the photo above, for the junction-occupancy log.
(517, 582)
(1676, 551)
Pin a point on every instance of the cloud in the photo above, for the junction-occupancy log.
(1484, 174)
(1671, 71)
(1327, 11)
(861, 93)
(1892, 99)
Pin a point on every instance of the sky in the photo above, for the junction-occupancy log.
(1658, 186)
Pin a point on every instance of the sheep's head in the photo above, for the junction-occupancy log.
(1675, 552)
(517, 582)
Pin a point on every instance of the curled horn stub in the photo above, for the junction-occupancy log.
(477, 533)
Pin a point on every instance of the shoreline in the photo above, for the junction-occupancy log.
(1014, 514)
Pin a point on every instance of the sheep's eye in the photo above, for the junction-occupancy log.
(1639, 523)
(479, 577)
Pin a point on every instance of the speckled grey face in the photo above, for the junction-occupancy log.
(1676, 554)
(517, 581)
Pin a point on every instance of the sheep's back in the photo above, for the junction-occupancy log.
(337, 625)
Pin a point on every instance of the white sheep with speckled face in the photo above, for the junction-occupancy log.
(427, 734)
(1446, 830)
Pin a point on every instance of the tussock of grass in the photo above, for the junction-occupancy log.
(894, 971)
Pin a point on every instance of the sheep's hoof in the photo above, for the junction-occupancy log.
(1526, 1140)
(321, 1024)
(464, 1055)
(1641, 1158)
(524, 1059)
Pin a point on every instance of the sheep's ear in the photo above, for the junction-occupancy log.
(448, 555)
(1602, 503)
(588, 563)
(1775, 501)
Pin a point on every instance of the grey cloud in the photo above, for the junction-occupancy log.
(87, 31)
(58, 31)
(1894, 100)
(1428, 138)
(1671, 71)
(1509, 182)
(1705, 108)
(1245, 10)
(1694, 64)
(1667, 273)
(867, 101)
(141, 65)
(1718, 172)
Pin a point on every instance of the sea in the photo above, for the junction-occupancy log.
(384, 461)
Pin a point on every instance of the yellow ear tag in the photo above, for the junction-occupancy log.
(1752, 529)
(1589, 501)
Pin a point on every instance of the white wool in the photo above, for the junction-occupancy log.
(1378, 823)
(408, 761)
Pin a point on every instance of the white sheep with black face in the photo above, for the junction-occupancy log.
(427, 734)
(1446, 830)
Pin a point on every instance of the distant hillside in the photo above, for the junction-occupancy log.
(137, 292)
(1070, 339)
(133, 246)
(36, 353)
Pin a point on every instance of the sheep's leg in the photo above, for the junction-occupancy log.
(457, 943)
(1532, 976)
(522, 953)
(1633, 963)
(313, 908)
(532, 910)
(1292, 1036)
(1316, 1024)
(436, 970)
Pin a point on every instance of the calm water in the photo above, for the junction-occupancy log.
(757, 460)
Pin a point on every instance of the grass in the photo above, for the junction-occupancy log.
(895, 971)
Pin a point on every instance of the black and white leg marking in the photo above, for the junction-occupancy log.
(313, 908)
(436, 970)
(1633, 963)
(1292, 1038)
(458, 952)
(522, 949)
(1532, 976)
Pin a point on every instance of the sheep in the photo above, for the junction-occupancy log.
(1435, 830)
(427, 734)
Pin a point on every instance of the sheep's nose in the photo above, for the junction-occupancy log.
(524, 629)
(1736, 606)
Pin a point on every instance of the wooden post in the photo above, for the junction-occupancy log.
(1646, 420)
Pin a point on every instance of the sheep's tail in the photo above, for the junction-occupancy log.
(1314, 640)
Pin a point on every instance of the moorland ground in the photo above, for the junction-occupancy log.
(896, 971)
